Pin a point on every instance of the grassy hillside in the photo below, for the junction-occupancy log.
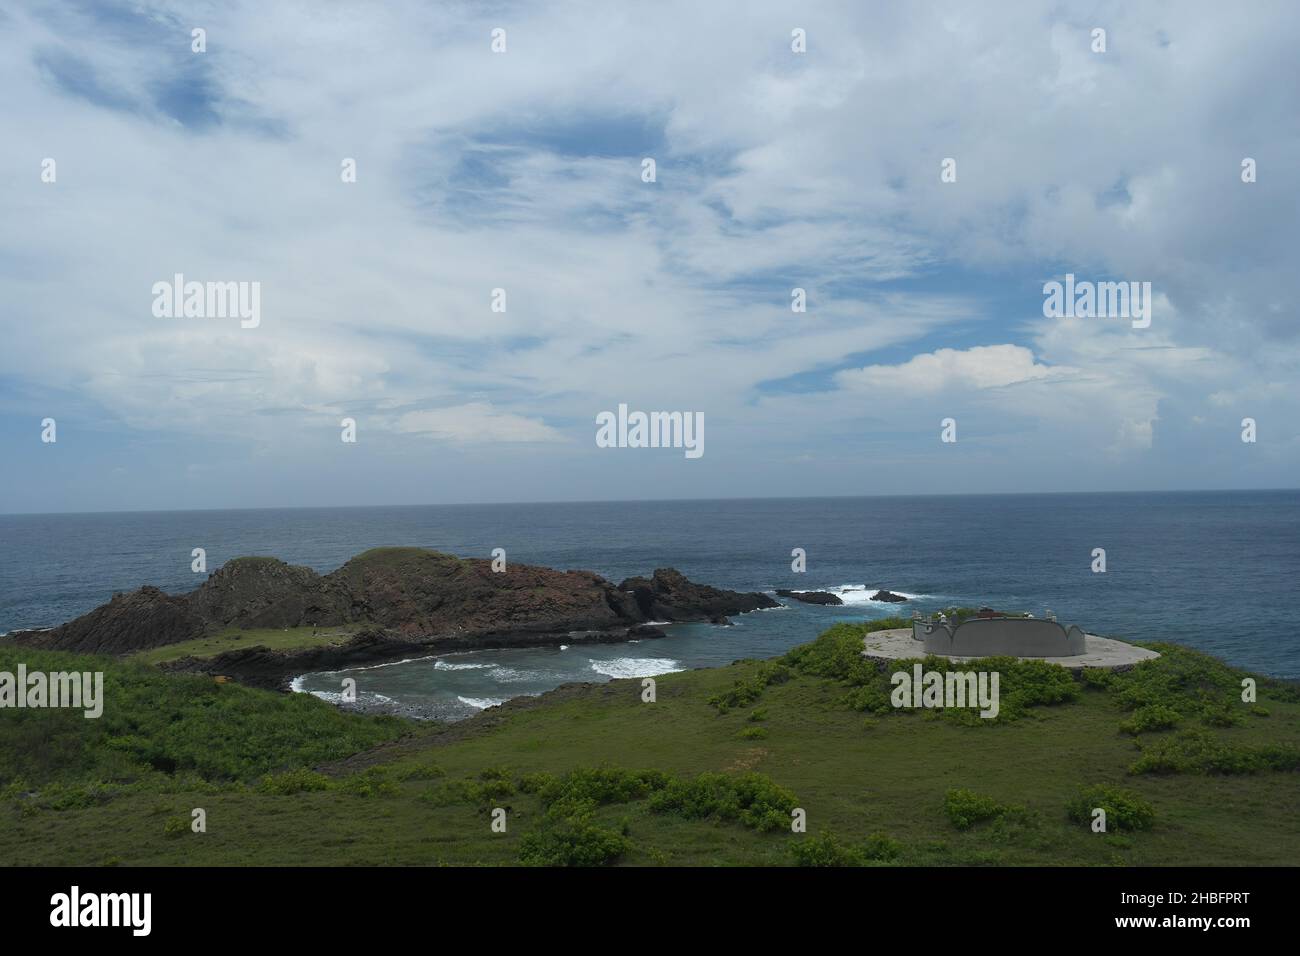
(235, 639)
(707, 774)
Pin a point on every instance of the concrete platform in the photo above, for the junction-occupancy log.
(1101, 651)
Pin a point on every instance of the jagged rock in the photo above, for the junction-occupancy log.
(810, 597)
(642, 631)
(142, 619)
(409, 596)
(668, 596)
(266, 592)
(889, 596)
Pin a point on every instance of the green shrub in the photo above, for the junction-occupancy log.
(290, 782)
(1124, 809)
(1189, 684)
(1199, 751)
(837, 654)
(420, 772)
(176, 827)
(595, 786)
(965, 808)
(826, 850)
(823, 850)
(744, 692)
(882, 848)
(753, 733)
(751, 799)
(60, 796)
(1151, 717)
(369, 783)
(1219, 714)
(572, 841)
(158, 724)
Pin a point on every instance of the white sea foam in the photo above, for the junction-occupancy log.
(636, 666)
(564, 647)
(336, 697)
(375, 667)
(511, 675)
(860, 594)
(442, 665)
(329, 696)
(480, 703)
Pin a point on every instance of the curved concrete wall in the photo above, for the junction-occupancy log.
(989, 637)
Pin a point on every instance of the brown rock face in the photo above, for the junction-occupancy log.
(415, 594)
(266, 592)
(129, 622)
(421, 592)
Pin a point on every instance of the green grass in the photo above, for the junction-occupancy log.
(594, 776)
(160, 731)
(234, 639)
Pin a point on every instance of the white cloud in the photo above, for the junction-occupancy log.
(476, 422)
(819, 171)
(988, 366)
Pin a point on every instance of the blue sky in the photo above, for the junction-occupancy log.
(522, 170)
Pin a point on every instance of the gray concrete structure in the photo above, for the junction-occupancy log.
(997, 636)
(1104, 652)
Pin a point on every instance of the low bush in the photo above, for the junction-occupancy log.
(745, 692)
(290, 782)
(572, 841)
(1124, 810)
(1199, 751)
(750, 799)
(826, 850)
(965, 808)
(1151, 717)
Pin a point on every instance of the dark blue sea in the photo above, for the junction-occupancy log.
(1214, 570)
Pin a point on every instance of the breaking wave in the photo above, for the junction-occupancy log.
(636, 666)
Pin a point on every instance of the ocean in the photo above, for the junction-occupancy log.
(1216, 571)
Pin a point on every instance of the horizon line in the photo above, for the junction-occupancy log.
(636, 501)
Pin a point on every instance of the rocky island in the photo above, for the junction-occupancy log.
(386, 603)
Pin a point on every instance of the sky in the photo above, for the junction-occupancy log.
(523, 169)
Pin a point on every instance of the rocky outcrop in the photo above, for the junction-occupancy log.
(889, 596)
(411, 597)
(266, 592)
(810, 597)
(668, 596)
(129, 622)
